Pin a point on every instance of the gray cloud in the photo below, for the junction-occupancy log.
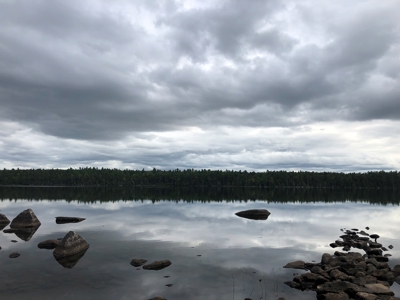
(111, 72)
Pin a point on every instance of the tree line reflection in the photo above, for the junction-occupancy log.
(283, 195)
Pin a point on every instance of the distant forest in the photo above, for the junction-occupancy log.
(198, 178)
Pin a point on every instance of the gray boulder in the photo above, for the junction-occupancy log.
(27, 218)
(71, 244)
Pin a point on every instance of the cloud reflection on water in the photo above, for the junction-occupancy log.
(230, 247)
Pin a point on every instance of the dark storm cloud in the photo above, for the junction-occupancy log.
(106, 81)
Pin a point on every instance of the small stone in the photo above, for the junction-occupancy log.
(13, 241)
(138, 262)
(299, 264)
(169, 285)
(157, 265)
(367, 228)
(14, 255)
(390, 246)
(49, 244)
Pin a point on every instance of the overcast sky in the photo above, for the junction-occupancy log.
(242, 84)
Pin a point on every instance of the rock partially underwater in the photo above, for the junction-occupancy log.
(71, 244)
(254, 214)
(27, 218)
(157, 265)
(70, 261)
(66, 220)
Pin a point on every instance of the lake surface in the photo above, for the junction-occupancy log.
(214, 253)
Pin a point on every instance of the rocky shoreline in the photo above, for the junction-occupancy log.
(350, 275)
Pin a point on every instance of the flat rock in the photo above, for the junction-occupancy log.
(138, 262)
(254, 214)
(157, 265)
(14, 255)
(49, 244)
(379, 289)
(333, 296)
(66, 220)
(298, 264)
(366, 296)
(27, 218)
(71, 244)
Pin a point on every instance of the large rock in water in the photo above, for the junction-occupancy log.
(254, 214)
(27, 218)
(71, 244)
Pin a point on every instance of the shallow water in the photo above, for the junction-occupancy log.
(214, 253)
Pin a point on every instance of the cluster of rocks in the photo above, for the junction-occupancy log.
(349, 275)
(155, 265)
(254, 214)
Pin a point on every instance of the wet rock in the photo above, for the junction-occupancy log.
(157, 265)
(71, 244)
(374, 244)
(366, 296)
(379, 289)
(390, 246)
(299, 264)
(27, 218)
(333, 296)
(24, 233)
(169, 285)
(49, 244)
(14, 255)
(65, 220)
(362, 232)
(4, 221)
(157, 298)
(13, 241)
(138, 262)
(70, 261)
(254, 214)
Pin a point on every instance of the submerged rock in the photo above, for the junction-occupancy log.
(27, 218)
(69, 262)
(254, 214)
(71, 244)
(49, 244)
(157, 265)
(24, 233)
(66, 220)
(157, 298)
(138, 262)
(14, 255)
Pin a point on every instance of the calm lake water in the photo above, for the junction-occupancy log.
(214, 253)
